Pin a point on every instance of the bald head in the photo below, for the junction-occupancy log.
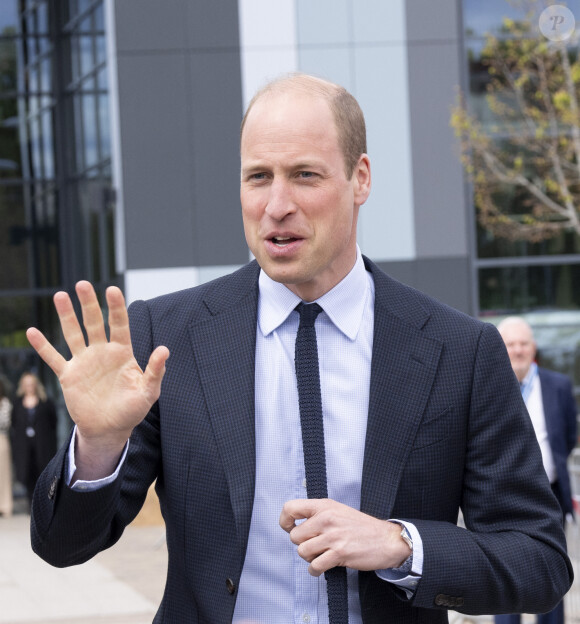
(519, 341)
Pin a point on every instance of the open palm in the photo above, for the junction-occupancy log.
(106, 392)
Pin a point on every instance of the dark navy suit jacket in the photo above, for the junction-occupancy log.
(447, 429)
(560, 414)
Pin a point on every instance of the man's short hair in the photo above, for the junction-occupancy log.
(348, 116)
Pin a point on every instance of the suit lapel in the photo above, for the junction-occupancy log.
(224, 347)
(404, 364)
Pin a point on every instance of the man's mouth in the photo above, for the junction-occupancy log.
(282, 241)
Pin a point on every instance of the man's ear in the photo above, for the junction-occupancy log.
(362, 180)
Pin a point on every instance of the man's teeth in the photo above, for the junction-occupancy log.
(282, 240)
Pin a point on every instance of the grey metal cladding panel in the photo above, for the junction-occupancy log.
(404, 271)
(445, 279)
(151, 24)
(212, 24)
(216, 115)
(438, 184)
(155, 131)
(429, 20)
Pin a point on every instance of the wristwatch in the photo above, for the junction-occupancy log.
(407, 537)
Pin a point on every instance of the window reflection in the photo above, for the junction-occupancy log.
(536, 279)
(513, 289)
(9, 16)
(56, 214)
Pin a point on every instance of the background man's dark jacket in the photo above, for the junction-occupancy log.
(560, 414)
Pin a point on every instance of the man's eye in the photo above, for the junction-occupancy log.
(306, 174)
(258, 176)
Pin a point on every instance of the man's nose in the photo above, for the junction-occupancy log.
(280, 201)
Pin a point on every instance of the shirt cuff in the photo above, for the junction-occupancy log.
(402, 577)
(88, 486)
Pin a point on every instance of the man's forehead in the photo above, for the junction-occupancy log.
(517, 333)
(283, 102)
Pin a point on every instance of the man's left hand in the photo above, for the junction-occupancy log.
(334, 534)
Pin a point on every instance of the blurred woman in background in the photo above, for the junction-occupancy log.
(6, 500)
(33, 431)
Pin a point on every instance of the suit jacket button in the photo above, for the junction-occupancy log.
(440, 600)
(52, 488)
(230, 585)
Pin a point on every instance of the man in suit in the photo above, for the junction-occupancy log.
(550, 402)
(420, 416)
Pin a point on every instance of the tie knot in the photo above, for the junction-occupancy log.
(308, 313)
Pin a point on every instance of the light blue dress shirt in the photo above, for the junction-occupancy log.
(275, 586)
(345, 338)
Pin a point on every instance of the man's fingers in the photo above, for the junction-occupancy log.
(69, 323)
(92, 313)
(45, 350)
(298, 509)
(155, 371)
(319, 554)
(325, 561)
(118, 316)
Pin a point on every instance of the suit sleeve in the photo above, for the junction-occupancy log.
(69, 527)
(511, 557)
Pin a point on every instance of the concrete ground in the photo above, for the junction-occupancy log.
(122, 585)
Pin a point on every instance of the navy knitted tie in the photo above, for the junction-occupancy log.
(310, 403)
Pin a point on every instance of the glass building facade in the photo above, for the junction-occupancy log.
(56, 200)
(539, 280)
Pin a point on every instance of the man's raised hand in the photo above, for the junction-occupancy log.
(106, 392)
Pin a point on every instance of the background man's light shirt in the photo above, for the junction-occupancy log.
(532, 395)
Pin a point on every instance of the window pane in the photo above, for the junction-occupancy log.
(10, 158)
(15, 240)
(512, 290)
(481, 17)
(101, 50)
(47, 144)
(102, 80)
(17, 315)
(46, 74)
(42, 18)
(10, 163)
(104, 127)
(33, 78)
(35, 147)
(8, 75)
(99, 16)
(90, 129)
(20, 313)
(9, 17)
(86, 54)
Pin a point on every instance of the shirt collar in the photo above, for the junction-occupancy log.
(344, 304)
(530, 375)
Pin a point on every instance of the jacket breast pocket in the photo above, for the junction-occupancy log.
(433, 428)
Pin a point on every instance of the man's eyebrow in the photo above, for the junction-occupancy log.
(253, 168)
(303, 165)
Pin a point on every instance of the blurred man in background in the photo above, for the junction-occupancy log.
(550, 401)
